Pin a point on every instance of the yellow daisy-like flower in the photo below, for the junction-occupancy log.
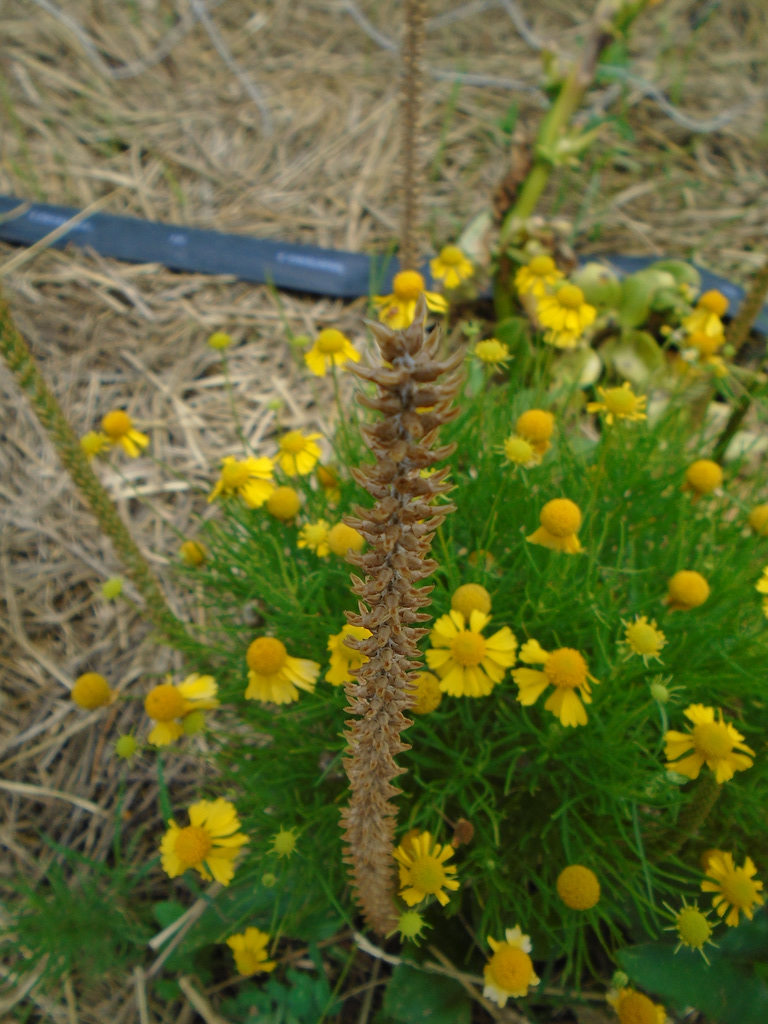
(423, 871)
(470, 597)
(644, 638)
(566, 314)
(343, 538)
(91, 691)
(578, 887)
(509, 973)
(168, 705)
(692, 927)
(634, 1008)
(428, 693)
(762, 584)
(249, 478)
(468, 664)
(398, 309)
(707, 316)
(687, 590)
(451, 266)
(537, 427)
(706, 346)
(331, 348)
(209, 844)
(620, 403)
(315, 537)
(538, 277)
(343, 658)
(714, 743)
(94, 443)
(736, 889)
(566, 670)
(758, 520)
(250, 950)
(118, 426)
(560, 521)
(298, 454)
(702, 477)
(492, 352)
(520, 452)
(273, 674)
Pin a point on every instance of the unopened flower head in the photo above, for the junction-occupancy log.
(619, 404)
(633, 1007)
(249, 478)
(692, 927)
(703, 476)
(210, 843)
(423, 870)
(428, 694)
(94, 443)
(168, 705)
(410, 926)
(643, 637)
(331, 348)
(560, 521)
(537, 277)
(343, 538)
(193, 553)
(758, 520)
(219, 340)
(299, 453)
(736, 889)
(470, 597)
(250, 952)
(112, 588)
(469, 664)
(492, 352)
(91, 691)
(509, 973)
(566, 670)
(687, 590)
(284, 842)
(345, 659)
(399, 309)
(126, 746)
(284, 503)
(119, 428)
(273, 675)
(715, 743)
(566, 314)
(578, 887)
(536, 426)
(451, 266)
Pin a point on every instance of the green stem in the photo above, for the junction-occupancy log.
(692, 817)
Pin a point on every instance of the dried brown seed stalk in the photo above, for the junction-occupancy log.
(399, 529)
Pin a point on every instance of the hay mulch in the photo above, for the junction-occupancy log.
(278, 122)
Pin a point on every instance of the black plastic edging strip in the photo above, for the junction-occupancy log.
(301, 268)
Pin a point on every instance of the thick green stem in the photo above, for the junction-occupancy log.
(691, 819)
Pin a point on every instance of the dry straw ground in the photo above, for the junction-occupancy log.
(280, 120)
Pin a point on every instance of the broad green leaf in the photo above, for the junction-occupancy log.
(413, 997)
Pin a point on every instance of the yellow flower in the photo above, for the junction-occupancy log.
(298, 454)
(331, 348)
(428, 693)
(284, 842)
(714, 743)
(118, 426)
(537, 427)
(736, 889)
(423, 871)
(470, 597)
(520, 452)
(578, 887)
(315, 537)
(91, 691)
(566, 670)
(762, 584)
(219, 340)
(619, 403)
(706, 346)
(283, 503)
(635, 1008)
(193, 553)
(560, 521)
(566, 314)
(644, 638)
(468, 664)
(692, 927)
(250, 950)
(209, 844)
(509, 973)
(94, 443)
(492, 352)
(451, 266)
(168, 705)
(702, 477)
(250, 478)
(758, 520)
(273, 674)
(687, 590)
(343, 658)
(398, 309)
(537, 277)
(343, 538)
(707, 316)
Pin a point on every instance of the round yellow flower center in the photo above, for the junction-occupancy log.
(491, 351)
(192, 845)
(330, 341)
(428, 693)
(620, 401)
(164, 703)
(635, 1008)
(116, 424)
(738, 889)
(192, 552)
(266, 655)
(643, 638)
(427, 875)
(471, 597)
(712, 739)
(283, 503)
(714, 302)
(570, 296)
(706, 344)
(535, 424)
(468, 648)
(342, 537)
(693, 927)
(542, 265)
(451, 255)
(408, 285)
(688, 589)
(704, 476)
(219, 340)
(578, 887)
(758, 520)
(511, 968)
(561, 517)
(327, 477)
(91, 691)
(518, 450)
(293, 442)
(234, 475)
(566, 668)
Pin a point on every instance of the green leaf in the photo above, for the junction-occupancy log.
(414, 996)
(167, 911)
